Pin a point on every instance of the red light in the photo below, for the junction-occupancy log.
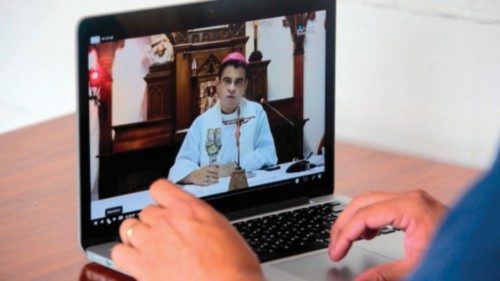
(95, 77)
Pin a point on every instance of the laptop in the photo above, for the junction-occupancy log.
(146, 76)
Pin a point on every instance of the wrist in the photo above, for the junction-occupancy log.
(187, 179)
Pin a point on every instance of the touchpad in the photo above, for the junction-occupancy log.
(320, 267)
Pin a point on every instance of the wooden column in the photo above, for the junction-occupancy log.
(297, 24)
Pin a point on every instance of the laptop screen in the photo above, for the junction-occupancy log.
(220, 110)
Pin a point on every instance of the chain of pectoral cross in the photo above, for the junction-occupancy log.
(238, 121)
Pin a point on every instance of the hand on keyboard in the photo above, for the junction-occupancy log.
(417, 213)
(183, 238)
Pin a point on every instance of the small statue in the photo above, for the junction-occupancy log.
(161, 50)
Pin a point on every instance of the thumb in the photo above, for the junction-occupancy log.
(397, 270)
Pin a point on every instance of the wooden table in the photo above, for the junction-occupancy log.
(38, 210)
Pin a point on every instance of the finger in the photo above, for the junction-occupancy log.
(139, 235)
(127, 226)
(164, 192)
(126, 259)
(362, 201)
(205, 180)
(370, 234)
(204, 183)
(173, 198)
(212, 180)
(150, 214)
(180, 202)
(357, 203)
(373, 216)
(213, 174)
(212, 169)
(397, 270)
(136, 234)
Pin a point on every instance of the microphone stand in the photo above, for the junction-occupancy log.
(264, 102)
(300, 164)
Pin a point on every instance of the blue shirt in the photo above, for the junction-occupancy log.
(467, 246)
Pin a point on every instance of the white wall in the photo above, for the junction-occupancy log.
(417, 76)
(418, 83)
(38, 55)
(485, 11)
(314, 82)
(275, 44)
(130, 66)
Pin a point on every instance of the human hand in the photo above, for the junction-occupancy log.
(182, 238)
(204, 176)
(415, 212)
(226, 170)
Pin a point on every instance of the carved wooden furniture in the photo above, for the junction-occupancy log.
(257, 80)
(142, 152)
(158, 129)
(160, 91)
(134, 170)
(143, 134)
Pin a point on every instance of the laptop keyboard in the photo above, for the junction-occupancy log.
(294, 232)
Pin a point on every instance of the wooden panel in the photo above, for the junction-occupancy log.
(257, 80)
(134, 170)
(160, 91)
(210, 34)
(183, 90)
(143, 134)
(286, 107)
(298, 84)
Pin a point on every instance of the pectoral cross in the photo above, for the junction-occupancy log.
(238, 177)
(238, 121)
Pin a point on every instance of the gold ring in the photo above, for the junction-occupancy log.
(129, 232)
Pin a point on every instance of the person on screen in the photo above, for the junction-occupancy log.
(209, 135)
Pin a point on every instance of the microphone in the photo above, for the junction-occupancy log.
(264, 102)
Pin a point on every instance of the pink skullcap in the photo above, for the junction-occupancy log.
(235, 56)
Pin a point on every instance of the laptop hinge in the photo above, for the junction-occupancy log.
(267, 208)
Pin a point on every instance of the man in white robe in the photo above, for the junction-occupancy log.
(192, 164)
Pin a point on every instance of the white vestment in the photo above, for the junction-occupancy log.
(256, 141)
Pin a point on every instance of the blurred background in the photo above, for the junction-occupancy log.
(420, 77)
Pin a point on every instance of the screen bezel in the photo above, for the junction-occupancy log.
(188, 16)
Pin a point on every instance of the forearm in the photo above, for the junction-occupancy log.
(182, 168)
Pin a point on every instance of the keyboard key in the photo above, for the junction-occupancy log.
(290, 233)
